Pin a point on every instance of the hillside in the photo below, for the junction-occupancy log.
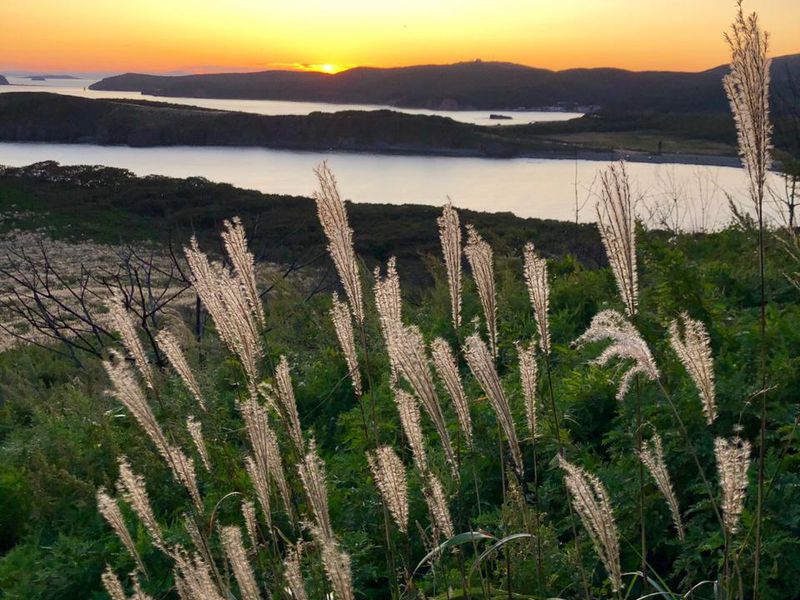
(42, 117)
(473, 85)
(3, 80)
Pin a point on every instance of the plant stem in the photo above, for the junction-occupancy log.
(556, 425)
(641, 475)
(762, 439)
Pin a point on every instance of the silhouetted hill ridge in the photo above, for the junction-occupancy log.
(468, 85)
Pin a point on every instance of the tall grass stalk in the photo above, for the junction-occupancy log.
(747, 87)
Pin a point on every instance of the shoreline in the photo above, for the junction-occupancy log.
(421, 151)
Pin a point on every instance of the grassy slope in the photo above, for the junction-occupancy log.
(109, 205)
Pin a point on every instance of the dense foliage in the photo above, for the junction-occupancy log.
(61, 435)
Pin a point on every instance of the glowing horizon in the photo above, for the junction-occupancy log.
(172, 36)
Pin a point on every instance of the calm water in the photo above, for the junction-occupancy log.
(80, 87)
(680, 196)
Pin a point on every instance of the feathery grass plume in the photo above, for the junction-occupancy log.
(112, 584)
(408, 409)
(109, 508)
(122, 323)
(288, 403)
(482, 366)
(437, 506)
(258, 476)
(333, 218)
(312, 474)
(266, 451)
(652, 455)
(138, 593)
(539, 292)
(172, 350)
(733, 459)
(694, 351)
(231, 538)
(389, 304)
(615, 220)
(747, 87)
(591, 502)
(336, 564)
(293, 574)
(225, 300)
(529, 376)
(626, 344)
(390, 477)
(450, 237)
(183, 471)
(126, 389)
(343, 324)
(193, 579)
(446, 367)
(132, 489)
(243, 263)
(480, 257)
(250, 523)
(412, 363)
(196, 432)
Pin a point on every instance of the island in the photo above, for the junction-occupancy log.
(3, 81)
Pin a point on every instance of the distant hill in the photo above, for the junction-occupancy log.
(3, 80)
(473, 85)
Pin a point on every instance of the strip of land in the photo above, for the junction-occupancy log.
(54, 118)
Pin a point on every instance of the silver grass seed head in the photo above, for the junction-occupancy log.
(480, 258)
(131, 487)
(250, 522)
(408, 409)
(626, 344)
(343, 325)
(122, 322)
(747, 88)
(529, 377)
(690, 341)
(193, 578)
(288, 403)
(312, 475)
(615, 220)
(390, 477)
(292, 573)
(236, 554)
(126, 389)
(450, 238)
(195, 430)
(652, 456)
(535, 269)
(258, 477)
(733, 460)
(235, 240)
(109, 509)
(336, 564)
(447, 369)
(437, 506)
(113, 585)
(482, 366)
(168, 344)
(333, 218)
(412, 364)
(591, 502)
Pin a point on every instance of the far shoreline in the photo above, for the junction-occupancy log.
(707, 160)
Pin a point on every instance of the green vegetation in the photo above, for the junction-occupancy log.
(60, 434)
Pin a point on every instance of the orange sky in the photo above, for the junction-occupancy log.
(215, 35)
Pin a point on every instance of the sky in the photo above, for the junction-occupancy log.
(170, 36)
